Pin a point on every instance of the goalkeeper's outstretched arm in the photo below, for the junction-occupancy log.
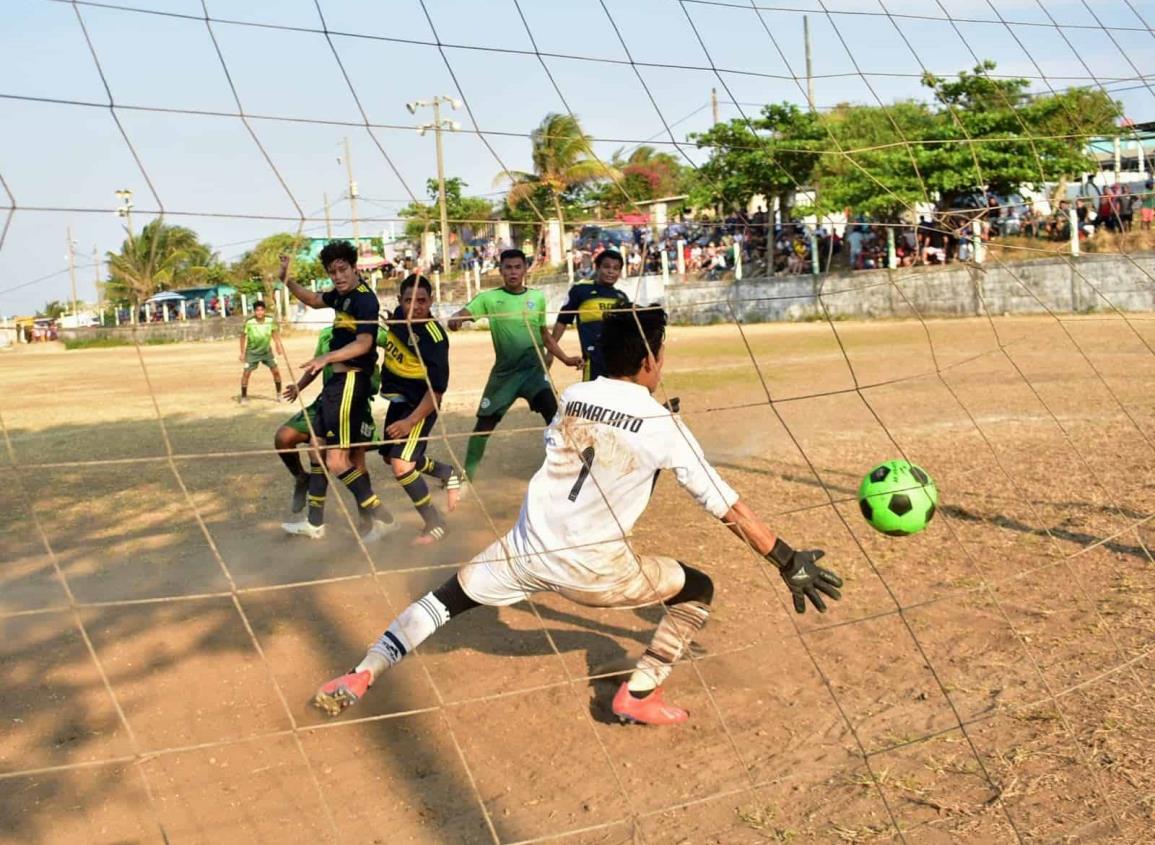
(799, 569)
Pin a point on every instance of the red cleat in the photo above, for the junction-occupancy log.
(342, 692)
(651, 710)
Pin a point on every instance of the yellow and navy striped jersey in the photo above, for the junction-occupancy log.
(356, 312)
(416, 358)
(585, 305)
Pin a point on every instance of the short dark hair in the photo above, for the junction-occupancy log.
(508, 254)
(609, 253)
(260, 303)
(624, 348)
(416, 280)
(339, 250)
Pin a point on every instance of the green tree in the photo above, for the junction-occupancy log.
(159, 258)
(563, 160)
(53, 309)
(773, 154)
(257, 271)
(993, 134)
(646, 174)
(869, 168)
(421, 217)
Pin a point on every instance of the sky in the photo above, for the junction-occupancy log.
(154, 104)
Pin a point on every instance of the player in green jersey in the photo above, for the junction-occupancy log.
(518, 329)
(257, 339)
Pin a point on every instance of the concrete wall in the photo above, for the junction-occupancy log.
(1089, 283)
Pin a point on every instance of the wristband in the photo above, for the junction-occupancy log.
(781, 555)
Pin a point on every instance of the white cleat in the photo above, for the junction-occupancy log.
(304, 528)
(379, 530)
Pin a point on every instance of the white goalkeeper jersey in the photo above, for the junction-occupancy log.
(603, 450)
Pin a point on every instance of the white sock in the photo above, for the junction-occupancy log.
(409, 630)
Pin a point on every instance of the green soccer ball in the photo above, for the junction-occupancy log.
(897, 498)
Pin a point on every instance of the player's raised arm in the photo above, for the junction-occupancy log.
(309, 297)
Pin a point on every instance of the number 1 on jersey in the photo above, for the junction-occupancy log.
(587, 459)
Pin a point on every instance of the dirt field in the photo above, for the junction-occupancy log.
(987, 681)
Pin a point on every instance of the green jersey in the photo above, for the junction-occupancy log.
(259, 335)
(515, 324)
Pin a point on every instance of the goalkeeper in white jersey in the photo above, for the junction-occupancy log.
(604, 448)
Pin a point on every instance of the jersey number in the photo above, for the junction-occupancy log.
(587, 459)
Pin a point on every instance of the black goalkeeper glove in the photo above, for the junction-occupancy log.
(805, 578)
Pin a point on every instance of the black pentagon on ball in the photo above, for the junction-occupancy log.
(867, 510)
(900, 504)
(919, 476)
(897, 532)
(930, 512)
(879, 473)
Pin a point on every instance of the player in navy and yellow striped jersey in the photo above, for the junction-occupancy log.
(585, 305)
(414, 375)
(343, 421)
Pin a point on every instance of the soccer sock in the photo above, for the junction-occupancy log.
(436, 468)
(414, 626)
(677, 628)
(292, 461)
(244, 390)
(418, 492)
(474, 452)
(318, 484)
(357, 480)
(277, 387)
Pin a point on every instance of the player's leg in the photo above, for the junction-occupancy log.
(487, 580)
(404, 457)
(246, 374)
(501, 391)
(288, 437)
(686, 592)
(347, 407)
(275, 370)
(544, 402)
(475, 448)
(449, 477)
(316, 487)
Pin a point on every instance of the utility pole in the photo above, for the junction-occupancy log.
(809, 68)
(328, 220)
(352, 196)
(438, 125)
(125, 210)
(714, 103)
(96, 263)
(72, 273)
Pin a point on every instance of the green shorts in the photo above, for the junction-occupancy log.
(507, 386)
(255, 359)
(298, 424)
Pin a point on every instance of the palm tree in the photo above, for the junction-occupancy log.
(156, 259)
(563, 158)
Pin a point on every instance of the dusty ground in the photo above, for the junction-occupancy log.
(1010, 699)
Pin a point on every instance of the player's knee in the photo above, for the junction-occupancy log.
(545, 403)
(698, 587)
(286, 438)
(454, 597)
(401, 468)
(486, 424)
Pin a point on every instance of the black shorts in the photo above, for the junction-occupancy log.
(412, 448)
(344, 418)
